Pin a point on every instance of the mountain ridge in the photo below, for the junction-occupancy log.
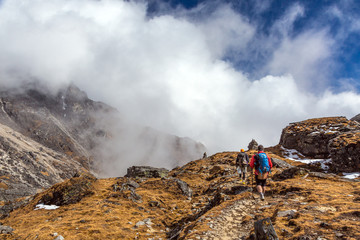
(67, 125)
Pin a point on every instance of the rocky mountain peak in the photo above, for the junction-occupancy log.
(73, 129)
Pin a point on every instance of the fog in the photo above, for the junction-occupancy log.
(170, 71)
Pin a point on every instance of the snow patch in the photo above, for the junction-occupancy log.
(294, 155)
(351, 175)
(46, 207)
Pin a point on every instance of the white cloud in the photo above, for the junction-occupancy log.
(304, 57)
(167, 71)
(285, 24)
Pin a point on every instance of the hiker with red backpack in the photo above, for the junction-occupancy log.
(262, 164)
(242, 162)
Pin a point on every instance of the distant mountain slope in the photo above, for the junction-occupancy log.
(27, 165)
(83, 134)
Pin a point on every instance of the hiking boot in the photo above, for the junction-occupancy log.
(244, 182)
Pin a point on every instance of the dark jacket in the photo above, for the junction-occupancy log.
(239, 158)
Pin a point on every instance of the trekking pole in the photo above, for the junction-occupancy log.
(252, 183)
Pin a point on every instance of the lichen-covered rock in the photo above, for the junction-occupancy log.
(146, 172)
(280, 163)
(69, 192)
(345, 152)
(311, 137)
(290, 173)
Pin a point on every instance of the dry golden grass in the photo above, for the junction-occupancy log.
(324, 206)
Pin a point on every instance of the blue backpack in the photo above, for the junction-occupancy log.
(262, 163)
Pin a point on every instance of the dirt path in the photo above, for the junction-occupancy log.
(234, 222)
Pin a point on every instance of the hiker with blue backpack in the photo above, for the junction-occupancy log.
(262, 164)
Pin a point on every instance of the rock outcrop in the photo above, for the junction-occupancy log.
(345, 152)
(146, 172)
(312, 137)
(336, 138)
(253, 145)
(356, 118)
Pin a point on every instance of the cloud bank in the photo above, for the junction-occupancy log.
(170, 71)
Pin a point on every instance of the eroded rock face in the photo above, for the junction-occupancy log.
(312, 137)
(27, 166)
(345, 152)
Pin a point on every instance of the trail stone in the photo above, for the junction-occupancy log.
(264, 230)
(6, 229)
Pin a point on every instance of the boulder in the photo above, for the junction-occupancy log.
(146, 172)
(345, 152)
(290, 173)
(311, 137)
(5, 229)
(253, 145)
(69, 192)
(280, 163)
(184, 187)
(264, 230)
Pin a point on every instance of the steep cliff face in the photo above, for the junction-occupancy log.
(331, 137)
(27, 166)
(61, 121)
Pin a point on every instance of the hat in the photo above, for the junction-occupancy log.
(242, 150)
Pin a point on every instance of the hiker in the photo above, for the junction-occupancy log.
(262, 164)
(242, 162)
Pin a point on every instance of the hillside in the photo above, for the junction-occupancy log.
(201, 200)
(47, 136)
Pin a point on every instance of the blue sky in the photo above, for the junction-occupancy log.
(340, 20)
(220, 72)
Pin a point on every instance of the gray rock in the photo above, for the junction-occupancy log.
(253, 145)
(139, 223)
(288, 213)
(280, 163)
(59, 238)
(146, 172)
(290, 173)
(6, 229)
(184, 187)
(322, 175)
